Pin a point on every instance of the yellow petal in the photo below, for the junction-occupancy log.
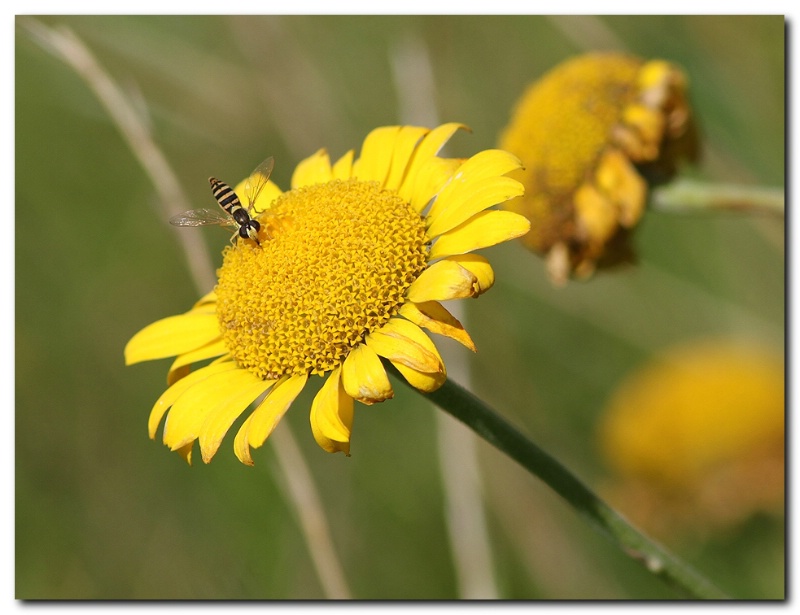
(212, 349)
(172, 336)
(427, 149)
(343, 168)
(434, 317)
(261, 423)
(332, 415)
(452, 207)
(401, 341)
(171, 395)
(222, 416)
(407, 140)
(189, 412)
(364, 377)
(431, 179)
(488, 164)
(186, 452)
(484, 229)
(479, 267)
(316, 169)
(210, 298)
(424, 381)
(441, 281)
(376, 155)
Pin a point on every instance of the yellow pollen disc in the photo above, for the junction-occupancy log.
(337, 265)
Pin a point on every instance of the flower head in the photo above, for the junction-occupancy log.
(696, 437)
(586, 132)
(351, 265)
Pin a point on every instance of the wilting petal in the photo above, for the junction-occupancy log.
(261, 423)
(315, 169)
(343, 168)
(364, 377)
(434, 317)
(332, 415)
(171, 395)
(427, 149)
(222, 416)
(441, 281)
(482, 230)
(424, 381)
(190, 411)
(407, 140)
(478, 266)
(451, 209)
(172, 336)
(376, 155)
(401, 341)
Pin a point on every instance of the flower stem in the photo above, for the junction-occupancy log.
(473, 412)
(691, 196)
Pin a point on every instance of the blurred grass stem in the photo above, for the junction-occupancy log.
(473, 412)
(687, 196)
(65, 45)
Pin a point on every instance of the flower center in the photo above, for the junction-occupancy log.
(338, 262)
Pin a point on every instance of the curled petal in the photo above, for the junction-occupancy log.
(478, 266)
(332, 415)
(441, 281)
(482, 230)
(262, 422)
(424, 381)
(316, 169)
(434, 317)
(364, 377)
(172, 336)
(401, 341)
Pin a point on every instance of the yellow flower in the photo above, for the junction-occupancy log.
(696, 437)
(584, 131)
(352, 264)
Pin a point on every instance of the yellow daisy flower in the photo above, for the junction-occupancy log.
(352, 264)
(588, 132)
(696, 437)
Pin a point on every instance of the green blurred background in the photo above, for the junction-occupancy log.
(104, 512)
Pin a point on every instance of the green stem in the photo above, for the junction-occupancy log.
(484, 421)
(691, 196)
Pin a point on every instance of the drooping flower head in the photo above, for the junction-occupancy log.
(352, 263)
(588, 133)
(695, 438)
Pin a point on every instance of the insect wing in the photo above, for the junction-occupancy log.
(202, 217)
(257, 180)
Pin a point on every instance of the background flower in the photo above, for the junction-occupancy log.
(103, 512)
(695, 439)
(589, 132)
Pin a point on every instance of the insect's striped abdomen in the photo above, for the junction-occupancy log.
(225, 195)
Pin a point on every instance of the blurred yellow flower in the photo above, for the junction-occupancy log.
(696, 437)
(358, 256)
(585, 132)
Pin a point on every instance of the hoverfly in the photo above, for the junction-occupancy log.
(233, 213)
